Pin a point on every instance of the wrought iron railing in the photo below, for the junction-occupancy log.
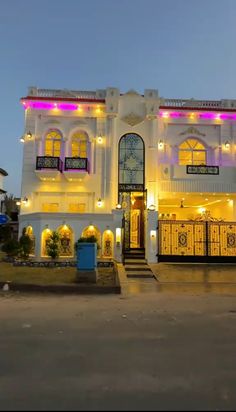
(76, 163)
(49, 162)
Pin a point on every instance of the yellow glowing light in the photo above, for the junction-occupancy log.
(152, 234)
(201, 209)
(99, 139)
(165, 115)
(99, 202)
(192, 115)
(91, 227)
(118, 235)
(79, 108)
(160, 144)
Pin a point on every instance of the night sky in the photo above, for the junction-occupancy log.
(183, 48)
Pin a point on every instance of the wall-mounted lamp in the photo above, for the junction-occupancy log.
(160, 144)
(99, 202)
(22, 139)
(18, 203)
(118, 206)
(99, 139)
(25, 200)
(227, 145)
(29, 135)
(152, 208)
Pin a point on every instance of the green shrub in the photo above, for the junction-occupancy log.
(53, 245)
(26, 244)
(11, 247)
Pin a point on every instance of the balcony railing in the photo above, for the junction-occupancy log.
(49, 162)
(76, 163)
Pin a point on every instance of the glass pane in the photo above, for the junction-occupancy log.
(57, 149)
(75, 149)
(83, 149)
(185, 157)
(48, 148)
(192, 143)
(184, 145)
(199, 146)
(199, 158)
(131, 159)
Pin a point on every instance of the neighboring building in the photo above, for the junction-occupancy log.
(91, 158)
(3, 174)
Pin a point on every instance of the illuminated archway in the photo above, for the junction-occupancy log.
(66, 241)
(30, 232)
(107, 243)
(92, 230)
(46, 233)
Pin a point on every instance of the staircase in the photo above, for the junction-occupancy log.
(136, 265)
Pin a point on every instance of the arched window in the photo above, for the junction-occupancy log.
(192, 152)
(131, 162)
(79, 144)
(53, 142)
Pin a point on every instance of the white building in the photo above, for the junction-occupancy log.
(91, 158)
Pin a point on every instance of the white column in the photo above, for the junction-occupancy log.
(151, 239)
(118, 240)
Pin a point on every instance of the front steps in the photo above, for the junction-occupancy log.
(136, 265)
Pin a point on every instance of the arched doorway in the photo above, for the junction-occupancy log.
(131, 188)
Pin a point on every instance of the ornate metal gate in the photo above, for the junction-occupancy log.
(201, 241)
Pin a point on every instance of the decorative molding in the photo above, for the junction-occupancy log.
(192, 130)
(132, 92)
(132, 119)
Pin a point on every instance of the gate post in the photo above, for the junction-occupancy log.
(118, 219)
(151, 239)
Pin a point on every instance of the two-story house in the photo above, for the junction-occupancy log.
(137, 171)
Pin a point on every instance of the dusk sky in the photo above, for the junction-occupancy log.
(183, 48)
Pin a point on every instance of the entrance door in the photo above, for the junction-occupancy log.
(135, 228)
(133, 205)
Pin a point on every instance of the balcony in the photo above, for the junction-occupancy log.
(76, 168)
(48, 168)
(178, 178)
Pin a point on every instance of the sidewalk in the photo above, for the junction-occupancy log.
(182, 278)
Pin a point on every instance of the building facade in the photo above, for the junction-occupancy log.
(130, 169)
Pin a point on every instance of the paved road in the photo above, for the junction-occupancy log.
(133, 352)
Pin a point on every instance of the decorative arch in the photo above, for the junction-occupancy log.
(30, 232)
(44, 239)
(107, 244)
(131, 162)
(66, 241)
(79, 144)
(92, 230)
(53, 143)
(192, 151)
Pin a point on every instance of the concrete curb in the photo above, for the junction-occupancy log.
(62, 289)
